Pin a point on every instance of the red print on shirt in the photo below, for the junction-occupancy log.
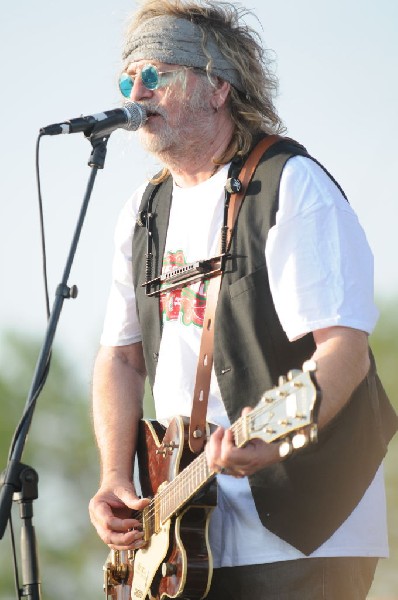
(188, 303)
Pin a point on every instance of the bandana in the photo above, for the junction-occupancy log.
(177, 41)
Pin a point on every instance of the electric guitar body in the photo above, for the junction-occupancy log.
(177, 561)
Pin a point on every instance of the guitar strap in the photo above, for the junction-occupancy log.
(197, 425)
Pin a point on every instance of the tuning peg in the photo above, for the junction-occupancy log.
(267, 399)
(293, 373)
(313, 433)
(281, 380)
(299, 440)
(285, 448)
(309, 365)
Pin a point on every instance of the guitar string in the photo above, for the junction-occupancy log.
(198, 472)
(195, 469)
(175, 486)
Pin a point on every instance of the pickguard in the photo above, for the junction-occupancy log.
(147, 561)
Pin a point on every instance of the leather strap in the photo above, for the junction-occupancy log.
(197, 425)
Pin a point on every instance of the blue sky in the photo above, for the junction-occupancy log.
(337, 65)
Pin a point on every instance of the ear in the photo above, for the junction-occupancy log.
(220, 94)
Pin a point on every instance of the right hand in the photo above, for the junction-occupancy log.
(111, 514)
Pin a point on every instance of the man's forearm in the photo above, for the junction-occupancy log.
(118, 387)
(342, 358)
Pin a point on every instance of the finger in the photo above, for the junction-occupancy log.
(100, 512)
(119, 532)
(227, 448)
(213, 449)
(129, 498)
(108, 524)
(231, 473)
(117, 522)
(219, 452)
(123, 525)
(136, 546)
(104, 508)
(236, 460)
(123, 541)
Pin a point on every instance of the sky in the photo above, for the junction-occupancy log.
(337, 66)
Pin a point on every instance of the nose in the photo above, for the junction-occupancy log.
(139, 91)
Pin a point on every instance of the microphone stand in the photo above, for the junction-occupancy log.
(19, 482)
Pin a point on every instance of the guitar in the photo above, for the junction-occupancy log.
(177, 561)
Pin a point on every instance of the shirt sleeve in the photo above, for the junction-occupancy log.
(319, 261)
(121, 326)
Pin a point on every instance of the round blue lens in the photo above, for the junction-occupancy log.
(126, 84)
(150, 77)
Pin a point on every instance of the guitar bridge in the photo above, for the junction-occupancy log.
(118, 572)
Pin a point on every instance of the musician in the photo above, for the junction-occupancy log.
(297, 285)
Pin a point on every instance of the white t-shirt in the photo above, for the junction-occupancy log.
(321, 274)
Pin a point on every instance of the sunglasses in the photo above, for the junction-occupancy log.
(151, 78)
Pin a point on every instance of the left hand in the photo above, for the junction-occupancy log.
(224, 457)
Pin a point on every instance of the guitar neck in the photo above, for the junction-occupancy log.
(172, 497)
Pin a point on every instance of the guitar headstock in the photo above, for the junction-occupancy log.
(287, 412)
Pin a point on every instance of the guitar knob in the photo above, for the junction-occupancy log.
(168, 569)
(309, 365)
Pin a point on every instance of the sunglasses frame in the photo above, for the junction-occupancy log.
(161, 77)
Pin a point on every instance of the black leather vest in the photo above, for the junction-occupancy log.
(305, 498)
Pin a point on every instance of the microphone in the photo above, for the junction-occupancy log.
(130, 117)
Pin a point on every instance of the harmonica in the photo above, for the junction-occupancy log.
(181, 276)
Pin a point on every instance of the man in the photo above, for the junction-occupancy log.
(296, 286)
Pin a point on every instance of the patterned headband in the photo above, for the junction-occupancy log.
(175, 40)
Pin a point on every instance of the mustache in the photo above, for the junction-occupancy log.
(153, 109)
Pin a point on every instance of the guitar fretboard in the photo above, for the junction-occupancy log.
(172, 496)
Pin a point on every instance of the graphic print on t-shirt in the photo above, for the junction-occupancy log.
(188, 303)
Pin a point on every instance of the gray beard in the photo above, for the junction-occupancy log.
(158, 143)
(172, 142)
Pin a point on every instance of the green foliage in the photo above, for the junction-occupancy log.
(61, 448)
(384, 343)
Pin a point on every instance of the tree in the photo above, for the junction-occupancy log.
(384, 343)
(62, 449)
